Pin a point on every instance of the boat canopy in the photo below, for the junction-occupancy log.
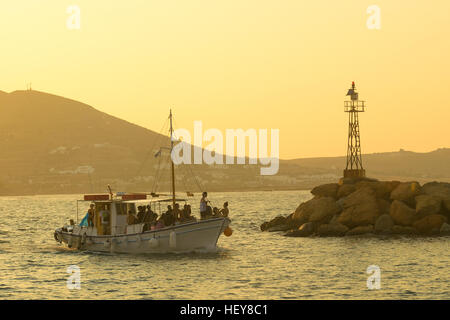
(153, 200)
(102, 200)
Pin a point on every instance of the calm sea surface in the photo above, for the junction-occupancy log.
(248, 265)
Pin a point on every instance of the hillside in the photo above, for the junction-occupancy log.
(52, 144)
(43, 136)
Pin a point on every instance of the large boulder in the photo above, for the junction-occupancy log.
(392, 185)
(334, 219)
(332, 230)
(427, 204)
(305, 230)
(316, 210)
(440, 190)
(354, 180)
(406, 192)
(360, 230)
(326, 190)
(275, 222)
(430, 224)
(281, 227)
(382, 189)
(402, 214)
(359, 208)
(384, 206)
(384, 224)
(302, 213)
(290, 222)
(345, 190)
(325, 210)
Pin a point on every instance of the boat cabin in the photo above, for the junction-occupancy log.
(110, 217)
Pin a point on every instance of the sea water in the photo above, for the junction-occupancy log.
(248, 265)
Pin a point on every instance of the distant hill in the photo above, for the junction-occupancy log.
(403, 164)
(51, 144)
(43, 135)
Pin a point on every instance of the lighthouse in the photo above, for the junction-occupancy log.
(354, 167)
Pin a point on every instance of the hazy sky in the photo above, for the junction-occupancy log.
(244, 64)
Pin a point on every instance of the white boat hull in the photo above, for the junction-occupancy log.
(189, 237)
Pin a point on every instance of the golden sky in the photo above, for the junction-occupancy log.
(244, 64)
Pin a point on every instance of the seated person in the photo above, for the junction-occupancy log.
(186, 214)
(224, 211)
(158, 225)
(186, 211)
(140, 214)
(105, 220)
(150, 216)
(209, 212)
(168, 218)
(177, 211)
(131, 218)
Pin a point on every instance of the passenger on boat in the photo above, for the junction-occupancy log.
(91, 213)
(168, 217)
(177, 211)
(224, 211)
(150, 216)
(151, 213)
(209, 212)
(203, 205)
(131, 218)
(186, 214)
(141, 214)
(159, 224)
(104, 216)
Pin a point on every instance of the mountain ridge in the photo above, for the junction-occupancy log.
(53, 144)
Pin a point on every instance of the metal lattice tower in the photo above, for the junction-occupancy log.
(353, 107)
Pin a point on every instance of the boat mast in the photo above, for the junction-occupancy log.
(171, 161)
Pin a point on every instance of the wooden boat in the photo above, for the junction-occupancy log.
(116, 234)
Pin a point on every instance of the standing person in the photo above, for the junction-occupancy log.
(104, 216)
(91, 213)
(203, 204)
